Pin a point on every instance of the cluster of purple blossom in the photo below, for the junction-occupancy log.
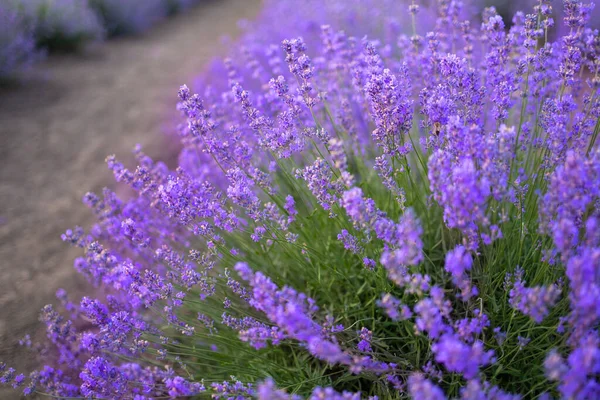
(415, 216)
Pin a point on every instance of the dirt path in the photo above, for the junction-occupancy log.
(57, 128)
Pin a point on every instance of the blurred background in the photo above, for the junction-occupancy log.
(74, 89)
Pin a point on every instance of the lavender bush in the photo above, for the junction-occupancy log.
(175, 6)
(356, 219)
(63, 24)
(135, 16)
(131, 16)
(17, 43)
(67, 25)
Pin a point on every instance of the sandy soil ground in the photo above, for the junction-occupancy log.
(57, 127)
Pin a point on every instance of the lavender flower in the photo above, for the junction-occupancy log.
(421, 388)
(267, 391)
(349, 241)
(102, 379)
(390, 305)
(390, 106)
(575, 376)
(319, 179)
(458, 262)
(365, 336)
(461, 358)
(292, 312)
(535, 301)
(464, 200)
